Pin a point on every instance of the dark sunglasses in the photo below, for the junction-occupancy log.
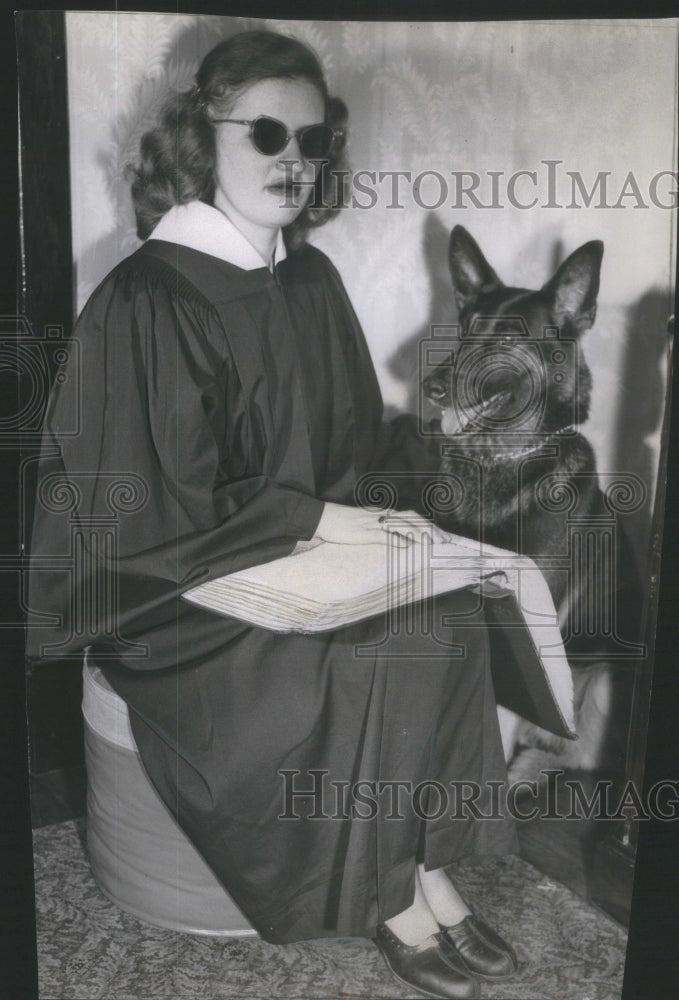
(270, 137)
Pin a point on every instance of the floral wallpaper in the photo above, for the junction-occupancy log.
(536, 136)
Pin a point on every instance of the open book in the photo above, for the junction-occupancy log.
(324, 586)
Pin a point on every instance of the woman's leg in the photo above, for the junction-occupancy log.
(468, 756)
(416, 923)
(413, 947)
(441, 897)
(436, 902)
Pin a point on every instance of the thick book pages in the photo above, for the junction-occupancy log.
(324, 586)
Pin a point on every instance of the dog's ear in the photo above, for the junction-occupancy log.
(469, 269)
(574, 288)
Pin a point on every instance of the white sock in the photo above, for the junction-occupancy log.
(413, 925)
(442, 898)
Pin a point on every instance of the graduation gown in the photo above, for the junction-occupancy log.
(219, 407)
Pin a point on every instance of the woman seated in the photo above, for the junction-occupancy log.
(224, 369)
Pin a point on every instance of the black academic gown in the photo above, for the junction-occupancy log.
(218, 409)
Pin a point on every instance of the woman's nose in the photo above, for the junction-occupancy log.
(296, 170)
(292, 156)
(293, 149)
(291, 153)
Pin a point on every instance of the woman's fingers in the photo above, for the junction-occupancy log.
(360, 525)
(410, 525)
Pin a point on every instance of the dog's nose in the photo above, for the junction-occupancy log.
(436, 387)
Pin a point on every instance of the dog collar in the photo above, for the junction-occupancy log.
(529, 449)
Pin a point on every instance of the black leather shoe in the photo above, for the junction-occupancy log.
(478, 949)
(424, 967)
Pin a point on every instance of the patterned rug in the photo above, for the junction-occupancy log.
(89, 948)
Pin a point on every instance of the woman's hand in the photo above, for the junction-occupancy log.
(361, 526)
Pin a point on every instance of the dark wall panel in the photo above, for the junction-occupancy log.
(46, 302)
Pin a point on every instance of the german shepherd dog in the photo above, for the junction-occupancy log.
(512, 395)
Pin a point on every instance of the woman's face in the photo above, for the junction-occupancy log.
(250, 187)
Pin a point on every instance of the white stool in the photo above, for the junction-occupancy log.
(140, 858)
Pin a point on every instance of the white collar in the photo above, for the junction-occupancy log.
(204, 228)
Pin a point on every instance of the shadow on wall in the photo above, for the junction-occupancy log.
(404, 364)
(641, 404)
(641, 390)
